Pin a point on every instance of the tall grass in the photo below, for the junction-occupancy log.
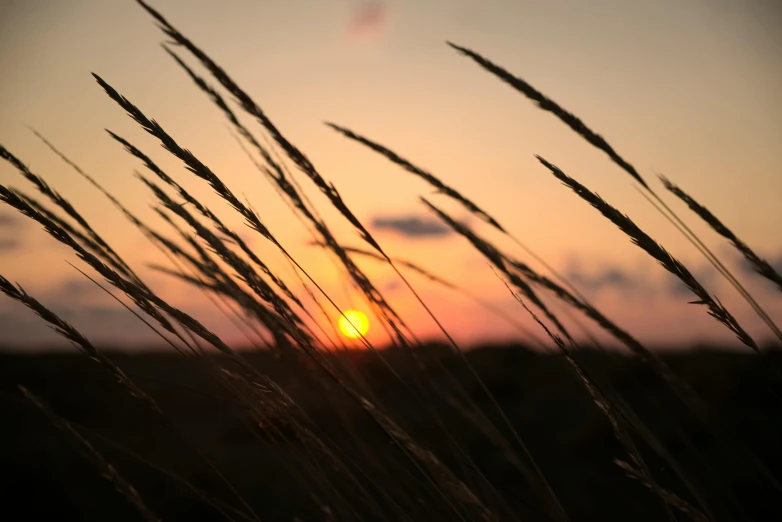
(443, 480)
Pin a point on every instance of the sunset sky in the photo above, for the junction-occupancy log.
(687, 88)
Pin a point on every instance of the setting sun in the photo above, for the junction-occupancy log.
(353, 324)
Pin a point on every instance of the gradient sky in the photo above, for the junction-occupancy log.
(690, 89)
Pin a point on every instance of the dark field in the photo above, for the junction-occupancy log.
(44, 475)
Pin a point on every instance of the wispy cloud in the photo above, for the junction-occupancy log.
(101, 324)
(81, 289)
(9, 244)
(412, 226)
(9, 233)
(605, 277)
(369, 18)
(775, 260)
(9, 220)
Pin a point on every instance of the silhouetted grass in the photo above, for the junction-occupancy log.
(409, 432)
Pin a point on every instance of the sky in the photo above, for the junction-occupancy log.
(689, 89)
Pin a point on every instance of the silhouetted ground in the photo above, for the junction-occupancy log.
(45, 477)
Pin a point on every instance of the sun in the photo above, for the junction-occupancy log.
(353, 324)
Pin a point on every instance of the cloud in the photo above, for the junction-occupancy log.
(77, 289)
(676, 288)
(100, 324)
(392, 285)
(739, 265)
(606, 277)
(748, 268)
(412, 226)
(9, 233)
(9, 244)
(9, 220)
(369, 18)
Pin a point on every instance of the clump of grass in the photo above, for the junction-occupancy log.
(100, 247)
(445, 483)
(390, 316)
(578, 300)
(654, 249)
(580, 128)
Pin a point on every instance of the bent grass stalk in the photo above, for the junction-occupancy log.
(654, 249)
(760, 265)
(443, 188)
(580, 128)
